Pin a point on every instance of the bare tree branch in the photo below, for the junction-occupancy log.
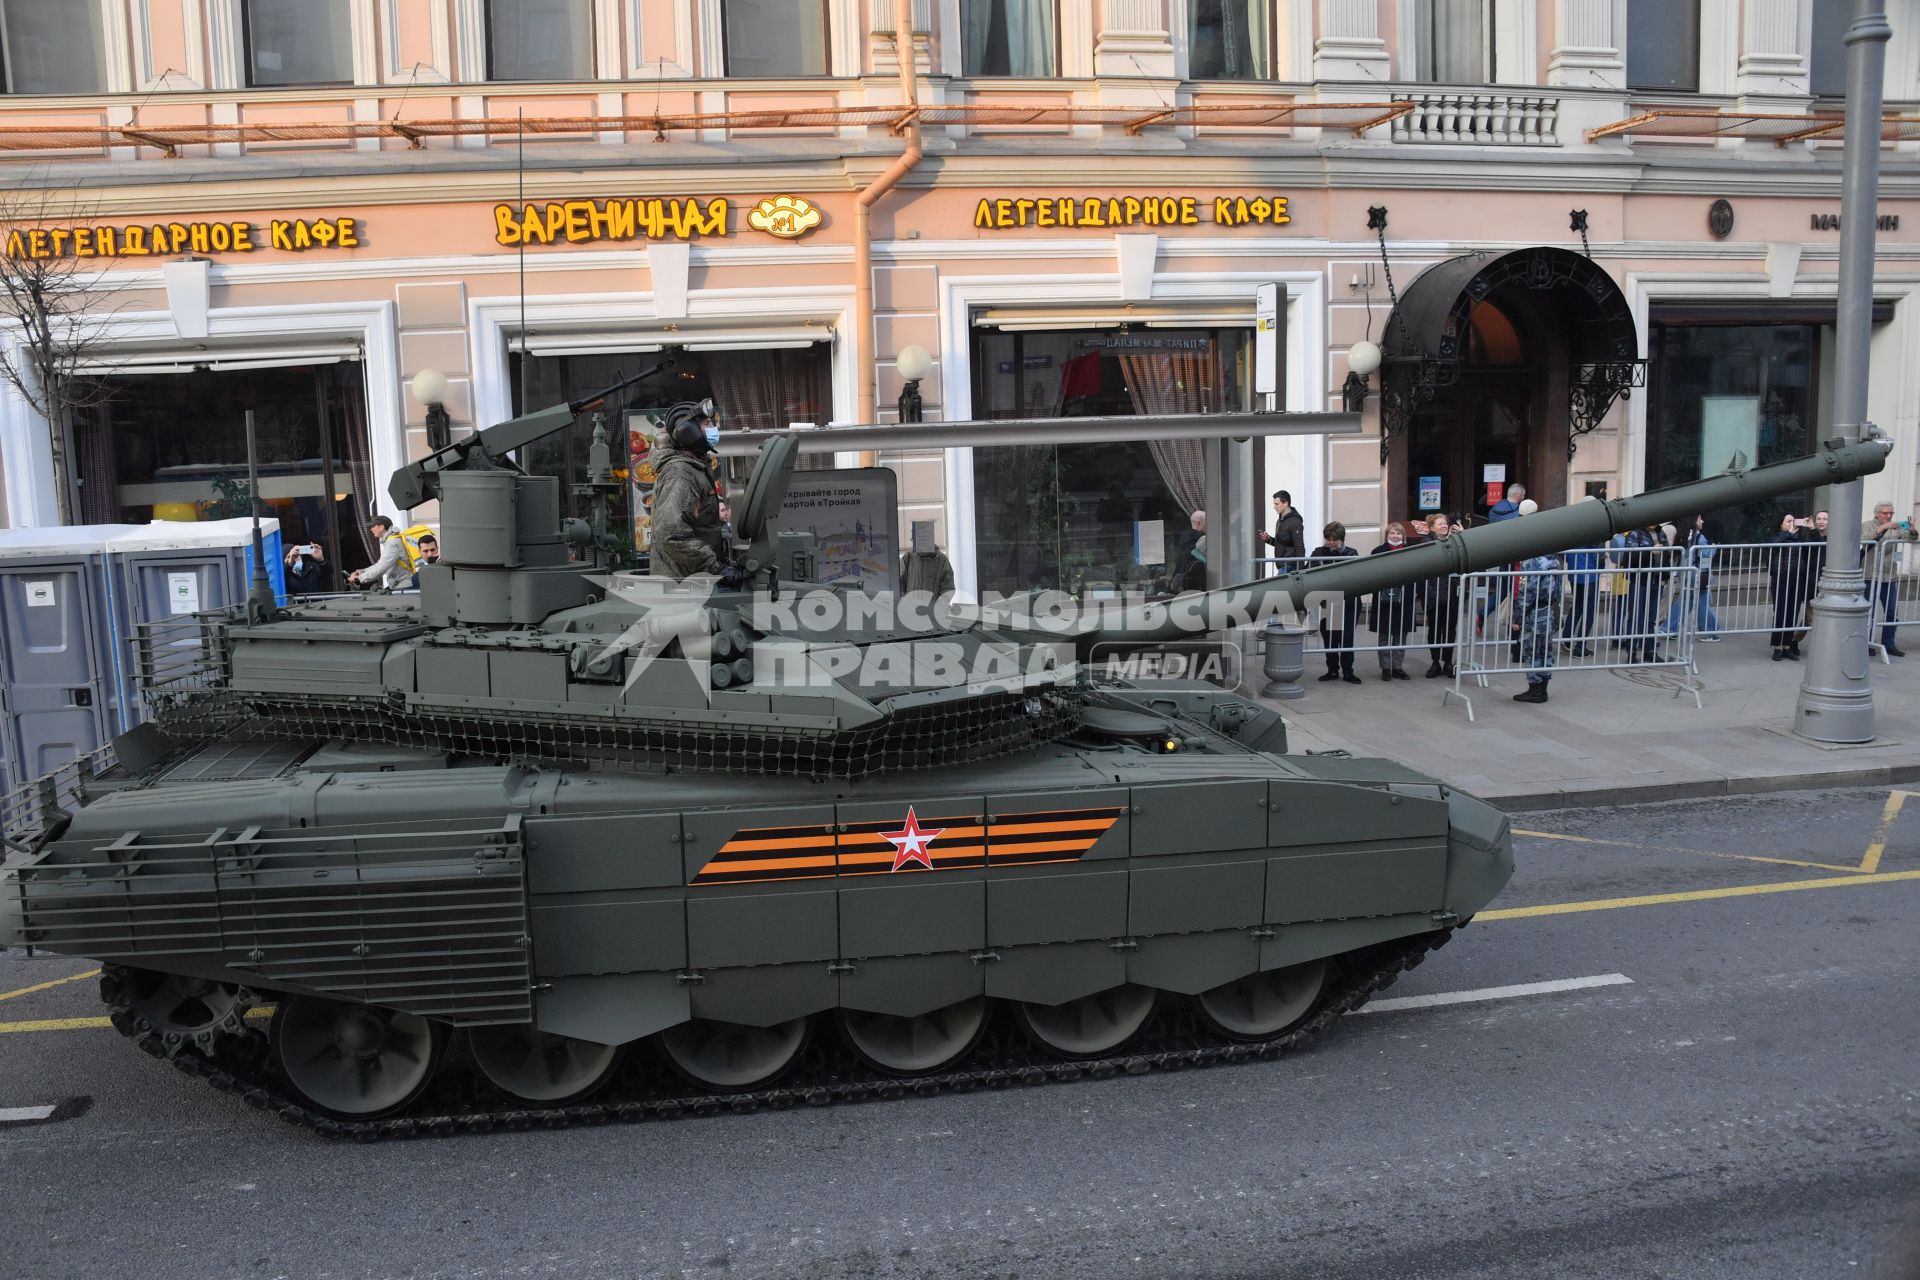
(61, 309)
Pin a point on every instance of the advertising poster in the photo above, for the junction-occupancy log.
(854, 517)
(1429, 493)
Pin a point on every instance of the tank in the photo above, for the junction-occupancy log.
(550, 842)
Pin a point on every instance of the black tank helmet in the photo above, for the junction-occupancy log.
(685, 426)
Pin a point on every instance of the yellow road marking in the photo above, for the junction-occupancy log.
(1879, 843)
(55, 1024)
(1674, 848)
(1692, 895)
(42, 986)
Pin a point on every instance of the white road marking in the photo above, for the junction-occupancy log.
(1398, 1003)
(21, 1115)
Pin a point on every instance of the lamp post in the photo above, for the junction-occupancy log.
(430, 389)
(1836, 701)
(914, 364)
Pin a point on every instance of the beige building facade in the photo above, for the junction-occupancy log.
(1608, 258)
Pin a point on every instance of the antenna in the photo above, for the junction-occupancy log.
(260, 601)
(521, 115)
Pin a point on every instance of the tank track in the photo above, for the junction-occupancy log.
(642, 1090)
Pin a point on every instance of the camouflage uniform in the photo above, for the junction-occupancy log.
(1536, 606)
(687, 534)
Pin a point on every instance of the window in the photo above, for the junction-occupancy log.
(776, 38)
(1828, 66)
(1451, 42)
(1663, 44)
(539, 40)
(1070, 516)
(1229, 40)
(1732, 393)
(298, 42)
(1007, 37)
(52, 46)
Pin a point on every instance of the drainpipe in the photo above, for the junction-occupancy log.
(862, 241)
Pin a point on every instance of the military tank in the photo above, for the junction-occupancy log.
(552, 843)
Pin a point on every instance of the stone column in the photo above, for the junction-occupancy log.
(1774, 36)
(1134, 41)
(1349, 46)
(1586, 50)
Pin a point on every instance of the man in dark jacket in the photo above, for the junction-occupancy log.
(688, 536)
(1508, 509)
(1338, 643)
(1289, 537)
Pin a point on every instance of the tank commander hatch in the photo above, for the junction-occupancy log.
(688, 535)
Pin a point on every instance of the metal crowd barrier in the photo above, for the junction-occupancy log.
(1600, 620)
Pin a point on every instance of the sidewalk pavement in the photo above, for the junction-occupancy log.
(1612, 737)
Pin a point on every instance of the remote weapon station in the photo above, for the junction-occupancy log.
(550, 842)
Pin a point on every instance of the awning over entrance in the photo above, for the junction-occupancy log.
(1428, 336)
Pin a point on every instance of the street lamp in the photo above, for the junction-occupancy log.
(430, 389)
(914, 364)
(1362, 359)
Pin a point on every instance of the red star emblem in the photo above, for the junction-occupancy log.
(910, 842)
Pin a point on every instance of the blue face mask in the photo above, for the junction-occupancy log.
(713, 437)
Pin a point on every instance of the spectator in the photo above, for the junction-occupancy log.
(1814, 564)
(1536, 603)
(925, 567)
(1510, 507)
(1440, 598)
(1789, 580)
(1583, 583)
(1393, 611)
(1639, 560)
(1338, 642)
(307, 572)
(389, 572)
(1289, 537)
(1699, 554)
(1882, 566)
(429, 554)
(1193, 572)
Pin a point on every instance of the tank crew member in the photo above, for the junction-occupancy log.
(390, 571)
(688, 536)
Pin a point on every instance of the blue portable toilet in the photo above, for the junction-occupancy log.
(64, 664)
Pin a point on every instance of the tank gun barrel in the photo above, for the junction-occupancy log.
(1580, 524)
(418, 482)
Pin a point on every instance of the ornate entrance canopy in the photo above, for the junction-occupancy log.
(1426, 337)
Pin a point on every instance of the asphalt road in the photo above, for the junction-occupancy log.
(1747, 1106)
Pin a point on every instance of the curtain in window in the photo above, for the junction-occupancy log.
(1228, 39)
(53, 46)
(776, 38)
(352, 398)
(93, 461)
(1456, 42)
(1174, 382)
(1007, 37)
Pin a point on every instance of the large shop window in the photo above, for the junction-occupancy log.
(1452, 44)
(1727, 394)
(1007, 37)
(539, 40)
(52, 46)
(1066, 516)
(776, 38)
(1663, 45)
(751, 390)
(173, 446)
(1229, 40)
(298, 42)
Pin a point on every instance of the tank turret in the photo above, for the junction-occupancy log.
(553, 837)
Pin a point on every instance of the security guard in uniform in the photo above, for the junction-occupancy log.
(688, 536)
